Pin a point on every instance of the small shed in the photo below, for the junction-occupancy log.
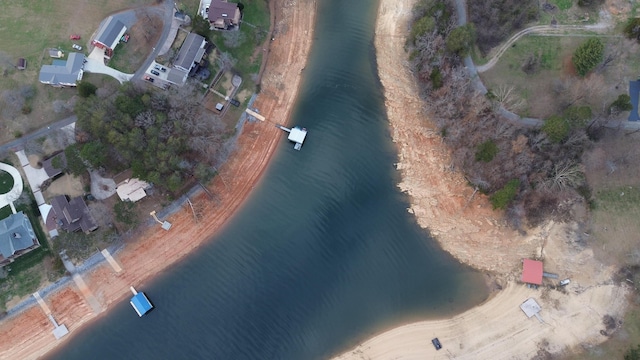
(22, 64)
(55, 53)
(530, 307)
(532, 272)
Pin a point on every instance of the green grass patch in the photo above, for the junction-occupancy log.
(562, 4)
(6, 182)
(621, 200)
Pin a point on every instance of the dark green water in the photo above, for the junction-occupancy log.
(324, 253)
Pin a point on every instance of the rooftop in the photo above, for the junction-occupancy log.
(110, 32)
(16, 234)
(191, 52)
(63, 72)
(532, 271)
(297, 135)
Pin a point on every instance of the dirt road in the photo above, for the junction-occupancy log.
(28, 335)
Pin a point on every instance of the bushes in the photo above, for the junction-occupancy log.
(501, 198)
(461, 39)
(496, 20)
(588, 55)
(622, 103)
(486, 151)
(86, 89)
(556, 128)
(632, 29)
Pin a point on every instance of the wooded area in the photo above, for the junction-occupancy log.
(532, 173)
(166, 139)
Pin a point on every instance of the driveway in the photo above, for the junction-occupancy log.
(95, 64)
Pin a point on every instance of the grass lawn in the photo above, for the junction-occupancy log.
(540, 89)
(6, 182)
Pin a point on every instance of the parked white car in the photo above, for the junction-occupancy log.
(77, 47)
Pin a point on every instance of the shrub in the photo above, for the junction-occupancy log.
(461, 39)
(503, 197)
(622, 103)
(590, 3)
(577, 116)
(632, 29)
(436, 78)
(588, 55)
(86, 89)
(421, 27)
(486, 151)
(556, 128)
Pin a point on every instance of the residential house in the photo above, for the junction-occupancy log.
(224, 15)
(16, 237)
(70, 215)
(189, 58)
(108, 35)
(63, 72)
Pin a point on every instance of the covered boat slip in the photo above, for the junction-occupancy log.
(140, 302)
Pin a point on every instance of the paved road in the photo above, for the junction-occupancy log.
(19, 143)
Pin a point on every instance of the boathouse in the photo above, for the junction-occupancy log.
(140, 303)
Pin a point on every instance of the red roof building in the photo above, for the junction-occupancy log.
(532, 271)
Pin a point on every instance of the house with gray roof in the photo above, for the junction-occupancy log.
(63, 72)
(191, 52)
(70, 215)
(223, 15)
(16, 237)
(108, 35)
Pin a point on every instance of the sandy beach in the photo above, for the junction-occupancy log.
(466, 227)
(28, 335)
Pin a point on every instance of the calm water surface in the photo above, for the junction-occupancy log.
(323, 255)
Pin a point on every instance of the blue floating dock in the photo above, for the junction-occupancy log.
(140, 303)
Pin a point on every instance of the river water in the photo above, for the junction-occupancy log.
(324, 253)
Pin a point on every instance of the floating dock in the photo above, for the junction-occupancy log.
(140, 303)
(296, 135)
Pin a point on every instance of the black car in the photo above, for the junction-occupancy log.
(155, 73)
(234, 102)
(436, 343)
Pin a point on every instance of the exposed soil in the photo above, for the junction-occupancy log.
(28, 336)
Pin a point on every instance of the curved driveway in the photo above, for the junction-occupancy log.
(12, 195)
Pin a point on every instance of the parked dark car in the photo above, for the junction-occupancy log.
(155, 73)
(436, 344)
(234, 102)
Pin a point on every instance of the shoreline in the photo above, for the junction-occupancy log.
(27, 335)
(465, 226)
